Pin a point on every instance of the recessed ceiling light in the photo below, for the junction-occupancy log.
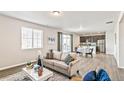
(56, 13)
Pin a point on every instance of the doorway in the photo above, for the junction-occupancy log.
(66, 43)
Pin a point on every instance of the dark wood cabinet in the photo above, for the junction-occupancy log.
(95, 39)
(91, 38)
(82, 39)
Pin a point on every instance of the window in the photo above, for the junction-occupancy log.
(31, 38)
(26, 38)
(37, 39)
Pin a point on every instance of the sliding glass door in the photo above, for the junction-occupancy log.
(66, 43)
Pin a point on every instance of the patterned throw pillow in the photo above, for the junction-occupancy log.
(68, 59)
(47, 55)
(50, 55)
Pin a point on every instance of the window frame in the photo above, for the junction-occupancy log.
(41, 39)
(67, 37)
(33, 39)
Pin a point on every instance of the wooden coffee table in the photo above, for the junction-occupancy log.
(34, 75)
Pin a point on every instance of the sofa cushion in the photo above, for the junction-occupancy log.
(68, 59)
(49, 61)
(51, 54)
(63, 56)
(47, 55)
(57, 55)
(61, 64)
(73, 55)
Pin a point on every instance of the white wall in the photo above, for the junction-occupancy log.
(10, 41)
(110, 41)
(76, 41)
(121, 43)
(116, 45)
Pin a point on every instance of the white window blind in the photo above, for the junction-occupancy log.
(26, 38)
(31, 38)
(37, 38)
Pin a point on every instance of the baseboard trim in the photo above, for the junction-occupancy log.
(120, 67)
(12, 66)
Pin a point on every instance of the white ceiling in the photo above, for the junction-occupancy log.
(73, 21)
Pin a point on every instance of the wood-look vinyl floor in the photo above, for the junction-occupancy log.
(98, 61)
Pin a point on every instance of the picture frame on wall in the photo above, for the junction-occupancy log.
(51, 40)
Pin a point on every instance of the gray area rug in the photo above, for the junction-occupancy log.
(21, 76)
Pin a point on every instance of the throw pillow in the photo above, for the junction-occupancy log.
(47, 55)
(57, 55)
(90, 76)
(68, 59)
(51, 54)
(63, 56)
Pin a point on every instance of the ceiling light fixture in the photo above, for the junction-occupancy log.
(56, 13)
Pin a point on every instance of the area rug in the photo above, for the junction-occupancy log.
(21, 76)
